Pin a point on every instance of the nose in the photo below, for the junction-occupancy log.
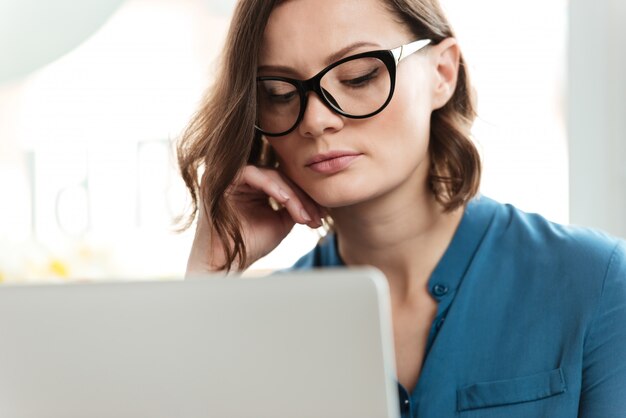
(318, 118)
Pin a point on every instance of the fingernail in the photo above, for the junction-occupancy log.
(283, 194)
(305, 215)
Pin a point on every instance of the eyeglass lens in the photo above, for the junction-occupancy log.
(357, 88)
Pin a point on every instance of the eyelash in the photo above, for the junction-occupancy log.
(283, 97)
(356, 82)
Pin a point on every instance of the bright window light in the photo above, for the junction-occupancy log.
(89, 181)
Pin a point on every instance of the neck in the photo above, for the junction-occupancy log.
(404, 241)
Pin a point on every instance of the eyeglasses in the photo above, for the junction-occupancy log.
(359, 86)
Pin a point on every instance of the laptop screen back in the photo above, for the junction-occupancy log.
(315, 344)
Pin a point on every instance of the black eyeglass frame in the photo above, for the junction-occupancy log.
(390, 57)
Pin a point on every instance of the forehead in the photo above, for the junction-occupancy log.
(302, 33)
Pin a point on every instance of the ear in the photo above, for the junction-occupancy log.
(445, 56)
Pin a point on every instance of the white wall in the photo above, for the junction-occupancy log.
(597, 114)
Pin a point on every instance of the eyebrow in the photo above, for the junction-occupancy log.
(329, 60)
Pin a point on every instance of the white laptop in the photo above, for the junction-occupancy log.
(293, 345)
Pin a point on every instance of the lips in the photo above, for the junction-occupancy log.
(332, 162)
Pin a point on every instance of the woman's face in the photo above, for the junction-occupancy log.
(383, 154)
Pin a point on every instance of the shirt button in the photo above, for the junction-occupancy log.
(440, 289)
(405, 405)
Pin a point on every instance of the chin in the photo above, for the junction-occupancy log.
(337, 197)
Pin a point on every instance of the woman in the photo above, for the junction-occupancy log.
(359, 112)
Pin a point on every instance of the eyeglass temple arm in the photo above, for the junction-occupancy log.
(404, 51)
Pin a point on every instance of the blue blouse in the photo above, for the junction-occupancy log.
(531, 320)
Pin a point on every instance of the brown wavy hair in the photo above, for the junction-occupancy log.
(220, 138)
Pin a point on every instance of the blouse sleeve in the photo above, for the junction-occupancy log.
(603, 391)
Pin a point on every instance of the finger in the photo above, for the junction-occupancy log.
(254, 184)
(311, 207)
(274, 186)
(252, 180)
(309, 204)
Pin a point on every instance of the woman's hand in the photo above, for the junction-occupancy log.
(263, 228)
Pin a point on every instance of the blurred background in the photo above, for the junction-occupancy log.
(93, 95)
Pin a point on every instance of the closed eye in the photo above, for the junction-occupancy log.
(362, 80)
(282, 98)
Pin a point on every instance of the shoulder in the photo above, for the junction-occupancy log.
(554, 256)
(323, 255)
(546, 239)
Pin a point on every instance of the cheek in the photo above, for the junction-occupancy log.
(285, 154)
(404, 125)
(410, 106)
